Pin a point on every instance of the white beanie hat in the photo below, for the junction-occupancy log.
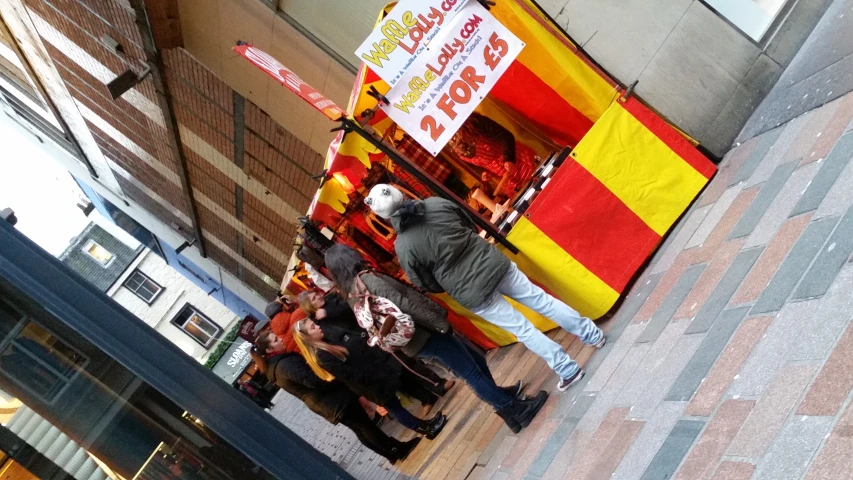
(384, 200)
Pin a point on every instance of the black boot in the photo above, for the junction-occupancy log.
(521, 412)
(514, 391)
(403, 449)
(431, 428)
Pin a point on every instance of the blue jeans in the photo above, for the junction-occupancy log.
(467, 365)
(517, 286)
(401, 415)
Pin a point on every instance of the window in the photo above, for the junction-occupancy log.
(34, 358)
(98, 253)
(196, 325)
(143, 287)
(752, 17)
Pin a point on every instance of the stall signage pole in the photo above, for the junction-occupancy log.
(445, 83)
(289, 80)
(403, 35)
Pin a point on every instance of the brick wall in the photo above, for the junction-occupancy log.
(247, 198)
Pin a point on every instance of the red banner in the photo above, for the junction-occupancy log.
(290, 80)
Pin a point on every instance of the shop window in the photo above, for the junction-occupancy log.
(144, 288)
(33, 358)
(98, 253)
(752, 17)
(197, 326)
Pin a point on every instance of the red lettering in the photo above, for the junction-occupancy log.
(445, 104)
(495, 51)
(469, 76)
(429, 125)
(460, 92)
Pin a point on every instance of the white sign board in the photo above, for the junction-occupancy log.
(441, 88)
(404, 34)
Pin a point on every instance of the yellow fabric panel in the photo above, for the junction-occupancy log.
(639, 168)
(333, 195)
(552, 267)
(555, 63)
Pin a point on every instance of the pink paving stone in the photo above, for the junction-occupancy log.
(727, 366)
(834, 381)
(715, 440)
(730, 166)
(589, 456)
(803, 146)
(616, 449)
(709, 278)
(770, 412)
(734, 471)
(832, 132)
(558, 468)
(770, 259)
(732, 216)
(532, 448)
(833, 460)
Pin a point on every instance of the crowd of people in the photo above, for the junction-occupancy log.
(356, 347)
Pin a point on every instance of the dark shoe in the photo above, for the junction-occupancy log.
(526, 410)
(431, 428)
(514, 391)
(403, 449)
(565, 383)
(508, 418)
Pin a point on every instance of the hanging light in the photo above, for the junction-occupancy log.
(344, 182)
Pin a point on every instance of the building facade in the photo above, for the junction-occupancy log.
(142, 282)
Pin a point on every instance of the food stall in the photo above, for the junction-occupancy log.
(596, 177)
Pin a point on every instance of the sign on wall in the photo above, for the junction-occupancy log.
(443, 85)
(402, 36)
(234, 361)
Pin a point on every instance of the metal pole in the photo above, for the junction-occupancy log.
(424, 177)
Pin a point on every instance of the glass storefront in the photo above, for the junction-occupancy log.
(76, 408)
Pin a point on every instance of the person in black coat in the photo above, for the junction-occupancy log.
(331, 400)
(333, 309)
(335, 353)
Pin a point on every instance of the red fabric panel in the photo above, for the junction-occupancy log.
(326, 214)
(592, 225)
(670, 137)
(521, 90)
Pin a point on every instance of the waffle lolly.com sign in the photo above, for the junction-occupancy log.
(458, 68)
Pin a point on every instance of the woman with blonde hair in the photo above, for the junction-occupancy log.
(336, 354)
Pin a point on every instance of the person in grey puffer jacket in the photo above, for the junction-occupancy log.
(439, 249)
(433, 337)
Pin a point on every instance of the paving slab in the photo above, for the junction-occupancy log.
(828, 263)
(679, 241)
(665, 375)
(779, 211)
(724, 291)
(829, 173)
(792, 450)
(714, 342)
(670, 304)
(769, 190)
(649, 441)
(560, 436)
(713, 217)
(792, 269)
(765, 142)
(674, 448)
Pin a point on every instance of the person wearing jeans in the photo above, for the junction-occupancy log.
(433, 337)
(518, 287)
(439, 249)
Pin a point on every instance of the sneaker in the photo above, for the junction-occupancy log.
(601, 342)
(565, 383)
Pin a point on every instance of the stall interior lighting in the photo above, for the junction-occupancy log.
(344, 182)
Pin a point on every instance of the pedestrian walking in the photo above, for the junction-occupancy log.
(433, 336)
(439, 249)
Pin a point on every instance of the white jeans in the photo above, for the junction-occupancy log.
(517, 286)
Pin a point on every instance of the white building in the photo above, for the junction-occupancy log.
(141, 281)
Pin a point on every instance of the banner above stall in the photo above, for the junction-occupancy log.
(403, 35)
(444, 84)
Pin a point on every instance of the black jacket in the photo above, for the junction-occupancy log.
(338, 313)
(327, 399)
(429, 317)
(438, 247)
(368, 371)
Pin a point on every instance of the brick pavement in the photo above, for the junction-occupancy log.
(729, 358)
